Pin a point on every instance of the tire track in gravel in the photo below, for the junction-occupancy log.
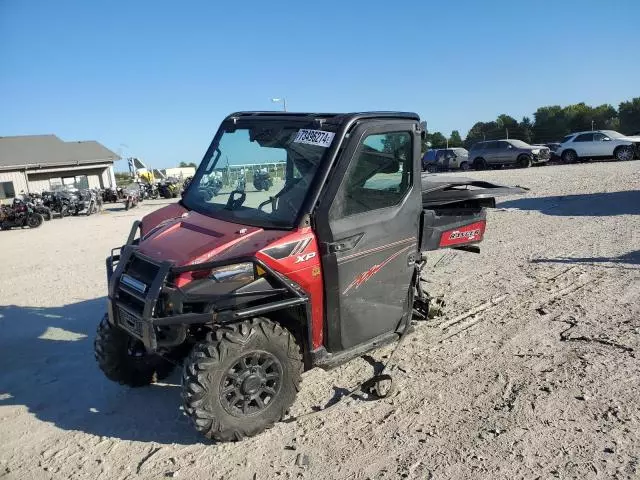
(566, 282)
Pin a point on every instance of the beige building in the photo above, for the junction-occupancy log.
(37, 163)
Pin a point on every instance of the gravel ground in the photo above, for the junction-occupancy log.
(542, 381)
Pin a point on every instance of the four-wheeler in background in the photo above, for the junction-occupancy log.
(250, 288)
(262, 180)
(19, 214)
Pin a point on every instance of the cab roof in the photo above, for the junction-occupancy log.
(338, 118)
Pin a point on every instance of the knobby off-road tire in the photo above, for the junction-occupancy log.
(34, 220)
(123, 359)
(224, 377)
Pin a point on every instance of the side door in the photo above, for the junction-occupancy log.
(491, 153)
(367, 224)
(602, 147)
(504, 152)
(583, 144)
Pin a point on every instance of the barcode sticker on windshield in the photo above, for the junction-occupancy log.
(314, 137)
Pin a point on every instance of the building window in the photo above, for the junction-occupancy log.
(7, 190)
(80, 182)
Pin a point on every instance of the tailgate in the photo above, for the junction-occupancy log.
(454, 210)
(452, 227)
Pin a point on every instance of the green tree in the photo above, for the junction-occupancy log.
(437, 139)
(183, 165)
(455, 140)
(629, 115)
(550, 124)
(526, 129)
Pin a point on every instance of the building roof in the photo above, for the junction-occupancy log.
(41, 151)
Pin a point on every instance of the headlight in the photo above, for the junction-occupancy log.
(240, 272)
(535, 151)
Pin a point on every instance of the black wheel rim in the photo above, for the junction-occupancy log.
(251, 384)
(135, 349)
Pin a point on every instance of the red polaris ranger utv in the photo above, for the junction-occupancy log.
(255, 287)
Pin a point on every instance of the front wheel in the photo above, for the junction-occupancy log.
(35, 220)
(464, 166)
(124, 359)
(569, 156)
(242, 380)
(623, 154)
(524, 161)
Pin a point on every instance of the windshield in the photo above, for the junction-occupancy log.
(259, 173)
(519, 144)
(612, 133)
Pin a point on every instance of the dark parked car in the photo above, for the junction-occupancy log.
(443, 159)
(495, 153)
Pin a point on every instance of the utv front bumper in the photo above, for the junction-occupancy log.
(140, 289)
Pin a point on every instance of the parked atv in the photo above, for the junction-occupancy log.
(168, 189)
(58, 202)
(19, 215)
(131, 197)
(36, 202)
(149, 191)
(262, 180)
(109, 195)
(249, 295)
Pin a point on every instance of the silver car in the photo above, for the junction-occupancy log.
(494, 153)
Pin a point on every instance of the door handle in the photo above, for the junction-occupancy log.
(345, 244)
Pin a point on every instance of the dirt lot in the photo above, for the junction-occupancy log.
(542, 381)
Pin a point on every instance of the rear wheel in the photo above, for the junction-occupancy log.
(124, 359)
(242, 380)
(524, 161)
(34, 220)
(569, 156)
(623, 154)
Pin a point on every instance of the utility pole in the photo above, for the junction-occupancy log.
(592, 125)
(507, 130)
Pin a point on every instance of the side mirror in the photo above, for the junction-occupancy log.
(606, 139)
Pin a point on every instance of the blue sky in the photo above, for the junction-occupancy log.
(158, 76)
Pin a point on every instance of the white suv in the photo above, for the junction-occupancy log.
(598, 144)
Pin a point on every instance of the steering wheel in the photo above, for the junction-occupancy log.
(234, 202)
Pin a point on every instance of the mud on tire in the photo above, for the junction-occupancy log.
(242, 380)
(113, 352)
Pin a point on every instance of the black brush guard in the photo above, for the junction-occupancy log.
(135, 309)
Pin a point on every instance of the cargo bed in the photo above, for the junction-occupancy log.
(453, 210)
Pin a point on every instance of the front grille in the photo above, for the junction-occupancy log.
(544, 153)
(129, 322)
(135, 282)
(142, 270)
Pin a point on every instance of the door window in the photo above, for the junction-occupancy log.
(379, 176)
(585, 137)
(599, 137)
(502, 145)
